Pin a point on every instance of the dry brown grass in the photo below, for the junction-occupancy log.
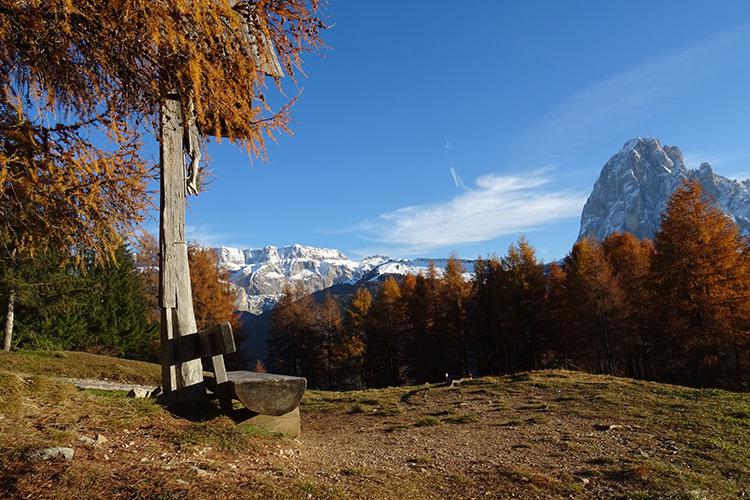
(81, 365)
(538, 435)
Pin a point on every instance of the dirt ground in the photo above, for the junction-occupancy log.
(552, 434)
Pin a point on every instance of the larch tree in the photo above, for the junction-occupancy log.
(61, 196)
(185, 68)
(524, 292)
(596, 306)
(292, 348)
(702, 279)
(329, 325)
(560, 338)
(385, 326)
(351, 346)
(488, 304)
(214, 299)
(630, 259)
(147, 262)
(454, 293)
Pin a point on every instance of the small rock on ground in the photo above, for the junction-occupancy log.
(57, 452)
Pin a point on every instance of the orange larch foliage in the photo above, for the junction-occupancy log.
(702, 279)
(75, 70)
(213, 296)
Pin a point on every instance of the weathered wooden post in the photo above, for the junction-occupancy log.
(175, 293)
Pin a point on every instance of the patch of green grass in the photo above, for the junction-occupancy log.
(354, 471)
(387, 411)
(601, 461)
(510, 423)
(536, 419)
(377, 402)
(355, 409)
(441, 413)
(107, 394)
(221, 432)
(427, 422)
(461, 419)
(397, 427)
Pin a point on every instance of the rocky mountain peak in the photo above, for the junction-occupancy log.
(260, 274)
(635, 184)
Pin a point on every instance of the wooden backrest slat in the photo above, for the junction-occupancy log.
(214, 341)
(220, 370)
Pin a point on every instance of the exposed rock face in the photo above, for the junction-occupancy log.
(261, 274)
(635, 184)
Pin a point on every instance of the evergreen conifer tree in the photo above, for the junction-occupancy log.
(701, 276)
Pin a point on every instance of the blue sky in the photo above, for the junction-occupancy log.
(434, 126)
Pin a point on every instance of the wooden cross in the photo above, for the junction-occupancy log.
(177, 181)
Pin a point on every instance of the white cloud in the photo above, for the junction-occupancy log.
(457, 179)
(497, 206)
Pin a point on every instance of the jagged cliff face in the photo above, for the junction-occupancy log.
(260, 275)
(635, 184)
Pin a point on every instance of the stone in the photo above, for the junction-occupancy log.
(139, 392)
(607, 427)
(93, 442)
(198, 471)
(87, 441)
(54, 453)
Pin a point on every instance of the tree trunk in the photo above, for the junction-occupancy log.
(175, 294)
(8, 337)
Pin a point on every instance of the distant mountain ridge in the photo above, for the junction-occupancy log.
(261, 274)
(635, 184)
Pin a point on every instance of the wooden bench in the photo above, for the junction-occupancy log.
(272, 400)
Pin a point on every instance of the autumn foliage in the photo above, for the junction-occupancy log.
(213, 296)
(676, 309)
(82, 83)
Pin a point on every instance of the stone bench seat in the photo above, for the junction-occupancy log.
(264, 393)
(272, 400)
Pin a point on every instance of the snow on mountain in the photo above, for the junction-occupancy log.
(635, 184)
(261, 274)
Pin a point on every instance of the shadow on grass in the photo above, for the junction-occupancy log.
(202, 410)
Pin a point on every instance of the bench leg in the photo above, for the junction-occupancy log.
(226, 404)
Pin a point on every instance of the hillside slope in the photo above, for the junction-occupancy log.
(81, 365)
(552, 434)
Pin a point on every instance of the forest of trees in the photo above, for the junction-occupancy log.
(676, 309)
(106, 307)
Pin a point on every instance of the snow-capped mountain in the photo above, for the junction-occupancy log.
(261, 274)
(635, 184)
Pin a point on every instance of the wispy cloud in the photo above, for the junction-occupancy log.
(457, 179)
(628, 98)
(497, 206)
(206, 235)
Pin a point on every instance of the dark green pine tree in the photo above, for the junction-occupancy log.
(117, 309)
